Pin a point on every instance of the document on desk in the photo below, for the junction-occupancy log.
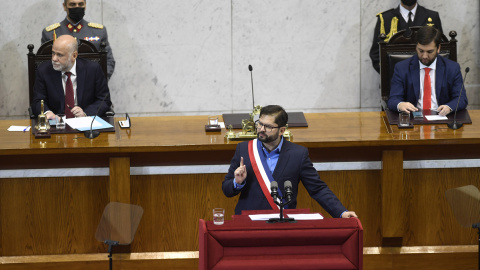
(313, 216)
(83, 123)
(436, 117)
(263, 216)
(19, 128)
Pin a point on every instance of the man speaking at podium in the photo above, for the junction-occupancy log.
(427, 81)
(272, 158)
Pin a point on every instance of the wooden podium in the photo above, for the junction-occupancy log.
(241, 243)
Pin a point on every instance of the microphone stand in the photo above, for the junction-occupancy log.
(251, 77)
(281, 219)
(110, 244)
(92, 134)
(454, 125)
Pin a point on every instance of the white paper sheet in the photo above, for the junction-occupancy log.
(19, 128)
(82, 122)
(264, 216)
(435, 117)
(313, 216)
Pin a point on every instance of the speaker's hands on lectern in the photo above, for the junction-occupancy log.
(349, 214)
(240, 173)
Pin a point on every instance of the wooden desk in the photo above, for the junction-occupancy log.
(41, 216)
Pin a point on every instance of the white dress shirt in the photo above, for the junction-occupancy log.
(405, 12)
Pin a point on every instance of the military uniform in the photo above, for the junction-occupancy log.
(393, 22)
(93, 32)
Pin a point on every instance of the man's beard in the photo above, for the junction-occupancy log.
(267, 138)
(429, 61)
(60, 67)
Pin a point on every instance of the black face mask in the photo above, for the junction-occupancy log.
(409, 2)
(76, 14)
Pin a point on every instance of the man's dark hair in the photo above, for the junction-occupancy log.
(281, 116)
(427, 34)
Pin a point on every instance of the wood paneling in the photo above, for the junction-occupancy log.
(393, 211)
(51, 215)
(41, 216)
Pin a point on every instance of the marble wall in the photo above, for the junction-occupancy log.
(192, 57)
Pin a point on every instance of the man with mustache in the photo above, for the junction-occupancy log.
(279, 160)
(427, 81)
(407, 14)
(70, 85)
(76, 26)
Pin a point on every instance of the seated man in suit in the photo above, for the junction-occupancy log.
(70, 85)
(427, 81)
(76, 26)
(272, 158)
(407, 14)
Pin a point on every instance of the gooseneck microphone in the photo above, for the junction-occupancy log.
(92, 134)
(454, 124)
(274, 190)
(253, 95)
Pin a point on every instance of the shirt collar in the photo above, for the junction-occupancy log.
(73, 70)
(432, 66)
(405, 11)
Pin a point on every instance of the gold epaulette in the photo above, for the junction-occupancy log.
(52, 27)
(95, 25)
(382, 22)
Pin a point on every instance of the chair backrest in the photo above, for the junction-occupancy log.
(401, 47)
(86, 50)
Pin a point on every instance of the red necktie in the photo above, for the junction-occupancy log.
(69, 96)
(427, 90)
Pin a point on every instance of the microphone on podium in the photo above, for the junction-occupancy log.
(454, 124)
(288, 190)
(92, 134)
(274, 190)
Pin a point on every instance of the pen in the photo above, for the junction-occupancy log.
(26, 129)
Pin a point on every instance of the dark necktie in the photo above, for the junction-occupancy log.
(427, 90)
(410, 22)
(69, 96)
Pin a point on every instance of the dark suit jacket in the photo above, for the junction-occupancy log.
(405, 85)
(91, 88)
(421, 19)
(293, 164)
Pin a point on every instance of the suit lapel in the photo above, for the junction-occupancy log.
(402, 24)
(420, 16)
(414, 73)
(81, 76)
(439, 75)
(282, 160)
(58, 86)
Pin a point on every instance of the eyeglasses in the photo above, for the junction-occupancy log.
(259, 125)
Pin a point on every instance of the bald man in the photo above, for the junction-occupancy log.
(70, 85)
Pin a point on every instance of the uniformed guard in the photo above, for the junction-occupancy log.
(75, 25)
(407, 14)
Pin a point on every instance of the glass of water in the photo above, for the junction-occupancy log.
(60, 121)
(218, 216)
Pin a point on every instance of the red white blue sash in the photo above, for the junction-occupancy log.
(262, 172)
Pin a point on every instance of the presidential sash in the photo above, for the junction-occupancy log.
(261, 170)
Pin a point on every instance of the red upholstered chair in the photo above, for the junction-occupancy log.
(308, 244)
